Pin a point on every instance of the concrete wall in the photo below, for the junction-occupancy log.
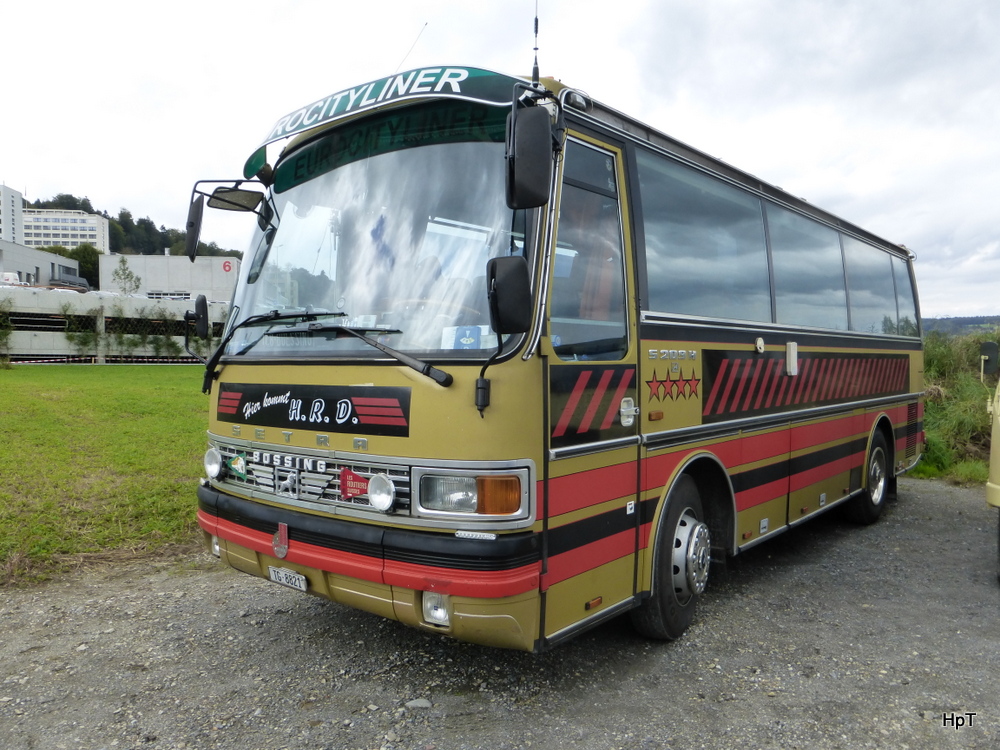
(41, 319)
(175, 275)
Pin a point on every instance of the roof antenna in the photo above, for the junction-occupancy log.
(407, 55)
(534, 69)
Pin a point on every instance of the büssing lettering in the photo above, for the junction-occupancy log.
(285, 461)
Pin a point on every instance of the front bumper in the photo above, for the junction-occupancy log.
(493, 583)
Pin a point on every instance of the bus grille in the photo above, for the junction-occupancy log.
(307, 479)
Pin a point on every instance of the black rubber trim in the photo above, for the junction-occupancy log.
(506, 552)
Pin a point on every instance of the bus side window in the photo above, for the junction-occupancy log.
(870, 288)
(808, 271)
(705, 252)
(588, 288)
(905, 300)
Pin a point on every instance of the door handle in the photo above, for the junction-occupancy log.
(628, 411)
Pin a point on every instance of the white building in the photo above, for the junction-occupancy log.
(175, 276)
(44, 227)
(11, 219)
(25, 265)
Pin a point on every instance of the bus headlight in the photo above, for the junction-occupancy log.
(381, 492)
(484, 495)
(213, 463)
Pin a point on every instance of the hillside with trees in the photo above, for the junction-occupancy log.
(126, 236)
(962, 326)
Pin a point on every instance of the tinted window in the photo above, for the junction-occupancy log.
(905, 299)
(588, 283)
(705, 252)
(870, 286)
(808, 271)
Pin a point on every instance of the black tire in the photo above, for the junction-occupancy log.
(867, 507)
(681, 559)
(998, 548)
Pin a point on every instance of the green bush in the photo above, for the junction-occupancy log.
(956, 422)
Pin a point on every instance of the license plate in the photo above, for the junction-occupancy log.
(289, 578)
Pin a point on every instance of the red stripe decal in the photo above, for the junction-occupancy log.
(595, 401)
(574, 399)
(734, 373)
(623, 385)
(400, 421)
(589, 556)
(710, 403)
(491, 584)
(586, 488)
(366, 401)
(758, 366)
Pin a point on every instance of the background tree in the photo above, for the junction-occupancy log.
(128, 283)
(147, 239)
(88, 258)
(66, 202)
(116, 236)
(55, 250)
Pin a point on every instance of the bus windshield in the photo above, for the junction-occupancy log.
(390, 237)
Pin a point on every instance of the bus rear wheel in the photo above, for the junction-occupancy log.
(682, 556)
(867, 507)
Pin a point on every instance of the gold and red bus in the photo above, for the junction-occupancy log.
(503, 363)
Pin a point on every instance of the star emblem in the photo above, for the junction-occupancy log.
(656, 387)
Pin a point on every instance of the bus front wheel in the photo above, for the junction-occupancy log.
(682, 555)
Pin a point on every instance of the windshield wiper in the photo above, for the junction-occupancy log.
(438, 376)
(273, 315)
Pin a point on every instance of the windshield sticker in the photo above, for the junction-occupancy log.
(465, 83)
(359, 410)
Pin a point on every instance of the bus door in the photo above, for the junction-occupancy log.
(590, 355)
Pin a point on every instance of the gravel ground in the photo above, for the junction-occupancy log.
(832, 636)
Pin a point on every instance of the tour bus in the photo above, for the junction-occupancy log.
(503, 363)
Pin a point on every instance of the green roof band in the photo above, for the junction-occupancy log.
(472, 84)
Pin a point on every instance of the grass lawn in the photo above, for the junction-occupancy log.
(97, 461)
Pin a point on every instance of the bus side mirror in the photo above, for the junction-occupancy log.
(195, 210)
(988, 357)
(529, 157)
(199, 317)
(508, 286)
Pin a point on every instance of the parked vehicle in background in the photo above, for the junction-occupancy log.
(990, 364)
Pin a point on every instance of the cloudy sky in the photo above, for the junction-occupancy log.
(884, 112)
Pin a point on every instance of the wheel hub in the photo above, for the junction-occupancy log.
(692, 556)
(876, 477)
